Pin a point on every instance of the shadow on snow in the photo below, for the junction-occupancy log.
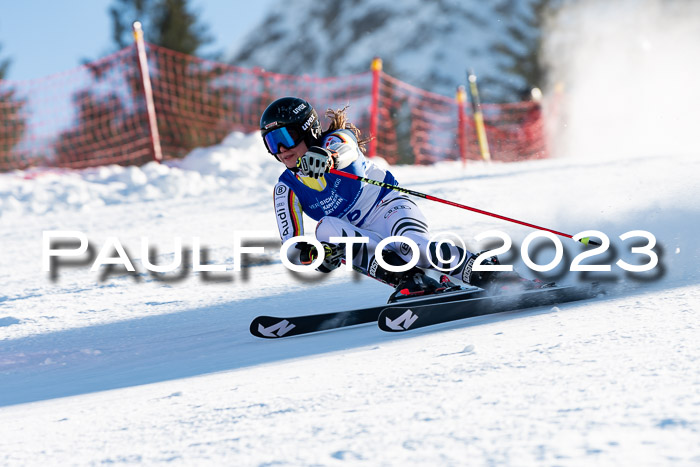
(178, 345)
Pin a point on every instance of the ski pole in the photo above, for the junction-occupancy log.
(585, 240)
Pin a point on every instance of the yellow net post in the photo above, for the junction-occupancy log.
(479, 118)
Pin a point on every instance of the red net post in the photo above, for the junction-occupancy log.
(374, 110)
(461, 122)
(147, 92)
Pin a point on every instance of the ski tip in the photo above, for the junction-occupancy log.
(269, 327)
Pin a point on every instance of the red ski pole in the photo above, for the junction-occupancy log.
(585, 240)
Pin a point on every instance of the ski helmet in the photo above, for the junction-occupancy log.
(287, 122)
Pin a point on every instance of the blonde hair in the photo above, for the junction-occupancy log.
(339, 121)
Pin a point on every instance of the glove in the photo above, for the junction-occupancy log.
(315, 162)
(332, 256)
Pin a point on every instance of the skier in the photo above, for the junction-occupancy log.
(292, 133)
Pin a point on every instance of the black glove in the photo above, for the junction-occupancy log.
(315, 162)
(332, 256)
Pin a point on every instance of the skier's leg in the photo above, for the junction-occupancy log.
(363, 254)
(402, 217)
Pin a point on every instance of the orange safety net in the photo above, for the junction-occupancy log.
(84, 117)
(198, 102)
(515, 131)
(96, 114)
(415, 126)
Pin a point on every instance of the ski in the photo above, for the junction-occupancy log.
(402, 317)
(271, 327)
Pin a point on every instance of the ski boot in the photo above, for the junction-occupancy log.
(411, 283)
(498, 282)
(416, 283)
(448, 284)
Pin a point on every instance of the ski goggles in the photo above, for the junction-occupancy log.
(287, 136)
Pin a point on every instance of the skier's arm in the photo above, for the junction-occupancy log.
(288, 212)
(290, 221)
(345, 147)
(339, 150)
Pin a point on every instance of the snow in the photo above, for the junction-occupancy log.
(627, 69)
(118, 367)
(529, 388)
(102, 367)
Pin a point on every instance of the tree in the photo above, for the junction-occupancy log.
(167, 23)
(182, 86)
(12, 119)
(101, 126)
(192, 106)
(522, 45)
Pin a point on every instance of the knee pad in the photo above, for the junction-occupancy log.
(332, 227)
(407, 253)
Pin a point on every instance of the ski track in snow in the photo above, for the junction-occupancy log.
(115, 367)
